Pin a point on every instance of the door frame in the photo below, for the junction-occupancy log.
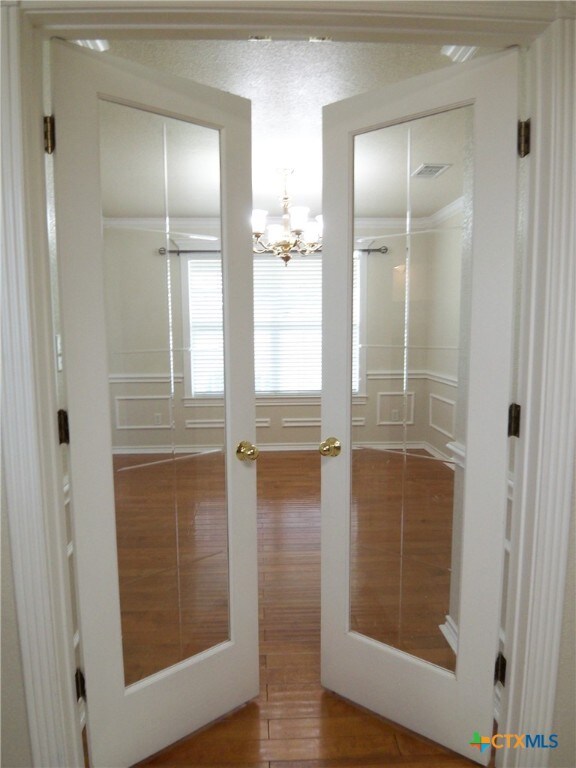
(544, 452)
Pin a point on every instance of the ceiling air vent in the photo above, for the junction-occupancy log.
(430, 170)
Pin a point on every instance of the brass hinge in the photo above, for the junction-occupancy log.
(524, 138)
(514, 414)
(49, 134)
(500, 669)
(80, 681)
(63, 428)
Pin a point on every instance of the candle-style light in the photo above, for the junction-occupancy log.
(296, 234)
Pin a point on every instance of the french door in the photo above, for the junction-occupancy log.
(413, 511)
(164, 511)
(419, 185)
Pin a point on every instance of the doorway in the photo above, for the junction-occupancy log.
(543, 73)
(286, 131)
(123, 418)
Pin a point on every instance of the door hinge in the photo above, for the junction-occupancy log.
(524, 137)
(49, 134)
(500, 669)
(80, 681)
(514, 413)
(63, 427)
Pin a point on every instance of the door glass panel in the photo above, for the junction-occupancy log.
(412, 208)
(168, 451)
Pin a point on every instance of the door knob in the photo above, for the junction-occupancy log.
(246, 451)
(330, 447)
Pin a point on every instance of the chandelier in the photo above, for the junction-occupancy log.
(296, 234)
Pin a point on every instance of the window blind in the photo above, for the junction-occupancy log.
(206, 334)
(287, 326)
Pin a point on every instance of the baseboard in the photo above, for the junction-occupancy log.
(120, 450)
(450, 631)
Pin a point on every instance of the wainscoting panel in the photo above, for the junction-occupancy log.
(442, 412)
(142, 412)
(390, 409)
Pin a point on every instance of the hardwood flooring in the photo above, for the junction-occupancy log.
(294, 723)
(401, 542)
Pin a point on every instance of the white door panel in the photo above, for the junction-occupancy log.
(385, 675)
(130, 718)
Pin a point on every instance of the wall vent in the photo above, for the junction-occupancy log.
(430, 170)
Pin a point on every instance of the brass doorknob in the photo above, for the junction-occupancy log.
(246, 451)
(330, 447)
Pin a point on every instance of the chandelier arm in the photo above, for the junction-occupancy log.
(259, 246)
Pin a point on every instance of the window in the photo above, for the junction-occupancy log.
(287, 326)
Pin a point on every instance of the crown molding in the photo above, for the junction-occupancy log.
(499, 24)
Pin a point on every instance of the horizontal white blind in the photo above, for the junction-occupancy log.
(287, 325)
(206, 326)
(356, 324)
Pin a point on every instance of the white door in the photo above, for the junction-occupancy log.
(148, 166)
(419, 184)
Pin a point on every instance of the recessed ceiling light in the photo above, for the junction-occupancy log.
(430, 170)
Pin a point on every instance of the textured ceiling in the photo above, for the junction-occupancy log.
(288, 83)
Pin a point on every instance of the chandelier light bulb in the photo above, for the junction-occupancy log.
(311, 232)
(259, 217)
(298, 217)
(296, 233)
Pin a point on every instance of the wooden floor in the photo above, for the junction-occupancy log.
(294, 723)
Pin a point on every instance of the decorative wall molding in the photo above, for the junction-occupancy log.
(144, 378)
(283, 401)
(156, 225)
(301, 422)
(345, 22)
(452, 403)
(312, 446)
(440, 378)
(193, 402)
(398, 225)
(357, 421)
(450, 631)
(211, 226)
(398, 374)
(181, 451)
(130, 398)
(458, 451)
(400, 398)
(205, 423)
(261, 423)
(399, 445)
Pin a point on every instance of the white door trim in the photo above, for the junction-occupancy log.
(547, 381)
(53, 738)
(29, 427)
